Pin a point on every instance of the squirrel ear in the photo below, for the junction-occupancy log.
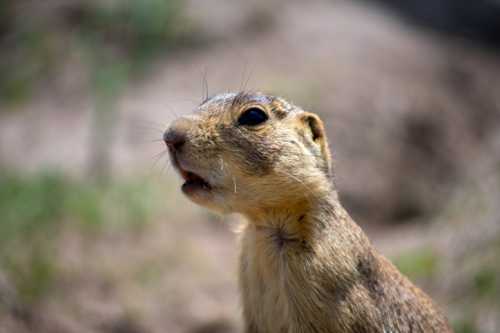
(315, 126)
(318, 135)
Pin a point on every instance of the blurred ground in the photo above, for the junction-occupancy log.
(413, 119)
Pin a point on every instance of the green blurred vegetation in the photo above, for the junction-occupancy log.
(36, 209)
(486, 283)
(124, 33)
(417, 264)
(141, 28)
(464, 326)
(480, 289)
(481, 294)
(112, 42)
(478, 286)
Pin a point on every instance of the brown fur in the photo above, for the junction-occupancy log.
(305, 266)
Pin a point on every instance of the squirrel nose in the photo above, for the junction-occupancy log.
(174, 138)
(176, 135)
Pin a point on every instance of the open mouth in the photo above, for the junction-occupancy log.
(192, 181)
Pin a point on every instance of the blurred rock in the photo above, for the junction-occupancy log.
(218, 326)
(475, 20)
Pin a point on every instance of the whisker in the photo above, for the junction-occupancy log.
(166, 167)
(161, 125)
(225, 170)
(234, 184)
(150, 123)
(181, 100)
(247, 70)
(146, 141)
(221, 164)
(159, 154)
(173, 113)
(145, 131)
(156, 158)
(146, 128)
(204, 86)
(306, 188)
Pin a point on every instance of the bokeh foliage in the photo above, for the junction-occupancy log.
(125, 32)
(36, 209)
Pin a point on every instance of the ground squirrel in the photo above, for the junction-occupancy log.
(305, 266)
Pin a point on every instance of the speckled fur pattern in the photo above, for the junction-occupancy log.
(305, 265)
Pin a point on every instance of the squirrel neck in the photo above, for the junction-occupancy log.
(274, 215)
(308, 223)
(319, 235)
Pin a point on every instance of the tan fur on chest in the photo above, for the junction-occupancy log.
(326, 283)
(264, 274)
(277, 278)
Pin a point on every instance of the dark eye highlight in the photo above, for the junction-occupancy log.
(252, 117)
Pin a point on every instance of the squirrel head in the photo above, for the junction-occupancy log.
(245, 152)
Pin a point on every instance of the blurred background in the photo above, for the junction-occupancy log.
(95, 235)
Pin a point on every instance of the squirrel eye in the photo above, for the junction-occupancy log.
(252, 117)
